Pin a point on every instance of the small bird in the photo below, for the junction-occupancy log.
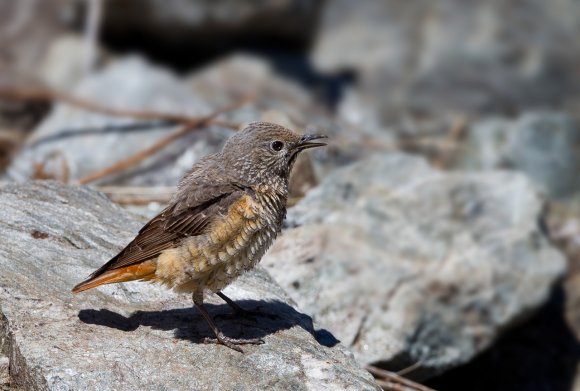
(227, 211)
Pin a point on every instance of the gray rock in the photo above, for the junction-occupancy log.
(488, 146)
(407, 264)
(28, 28)
(454, 56)
(543, 145)
(4, 372)
(65, 75)
(547, 148)
(129, 83)
(137, 336)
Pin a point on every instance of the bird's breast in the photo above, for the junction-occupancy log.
(234, 243)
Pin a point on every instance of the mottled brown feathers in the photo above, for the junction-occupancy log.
(169, 228)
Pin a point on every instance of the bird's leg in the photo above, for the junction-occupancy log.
(237, 309)
(231, 303)
(231, 343)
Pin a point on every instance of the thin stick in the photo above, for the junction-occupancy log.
(138, 195)
(136, 190)
(140, 200)
(410, 368)
(122, 128)
(91, 32)
(454, 134)
(393, 380)
(50, 96)
(138, 157)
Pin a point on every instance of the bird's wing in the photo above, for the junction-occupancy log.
(186, 216)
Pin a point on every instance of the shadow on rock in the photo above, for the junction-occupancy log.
(270, 317)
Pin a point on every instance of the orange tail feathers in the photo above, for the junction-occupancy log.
(140, 271)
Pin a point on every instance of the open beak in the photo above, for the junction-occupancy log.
(306, 142)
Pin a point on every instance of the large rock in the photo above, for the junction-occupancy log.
(137, 336)
(543, 145)
(453, 55)
(28, 30)
(131, 84)
(407, 264)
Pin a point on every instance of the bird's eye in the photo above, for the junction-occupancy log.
(277, 145)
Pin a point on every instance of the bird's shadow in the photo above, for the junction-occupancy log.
(188, 324)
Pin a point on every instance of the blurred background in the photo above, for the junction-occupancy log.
(469, 86)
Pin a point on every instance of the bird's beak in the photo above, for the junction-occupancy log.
(306, 142)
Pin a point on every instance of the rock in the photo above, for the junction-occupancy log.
(4, 372)
(543, 145)
(453, 56)
(137, 336)
(65, 75)
(407, 264)
(547, 149)
(129, 83)
(488, 146)
(28, 29)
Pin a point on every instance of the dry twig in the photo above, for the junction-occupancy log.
(45, 95)
(134, 195)
(454, 134)
(138, 157)
(40, 168)
(390, 381)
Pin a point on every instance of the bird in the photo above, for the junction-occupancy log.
(226, 212)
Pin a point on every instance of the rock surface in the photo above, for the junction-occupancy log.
(543, 145)
(406, 264)
(452, 55)
(28, 28)
(137, 336)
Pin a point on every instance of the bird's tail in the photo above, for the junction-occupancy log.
(140, 271)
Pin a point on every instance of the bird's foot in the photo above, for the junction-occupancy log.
(233, 343)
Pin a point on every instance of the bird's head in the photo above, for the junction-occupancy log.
(264, 150)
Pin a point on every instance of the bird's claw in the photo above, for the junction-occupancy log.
(233, 343)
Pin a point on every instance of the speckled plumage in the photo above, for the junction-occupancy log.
(227, 211)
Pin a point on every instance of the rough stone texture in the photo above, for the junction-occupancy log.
(543, 145)
(137, 336)
(405, 264)
(454, 55)
(4, 372)
(131, 84)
